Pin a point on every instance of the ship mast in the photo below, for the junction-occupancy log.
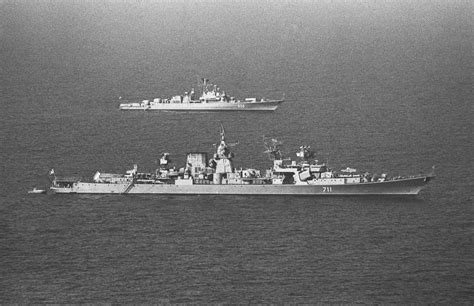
(204, 85)
(222, 132)
(223, 159)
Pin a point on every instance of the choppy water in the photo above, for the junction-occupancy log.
(377, 86)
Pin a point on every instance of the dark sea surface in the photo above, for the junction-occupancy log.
(382, 86)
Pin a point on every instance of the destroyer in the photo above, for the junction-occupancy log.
(211, 99)
(217, 175)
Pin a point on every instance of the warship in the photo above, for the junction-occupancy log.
(211, 99)
(217, 175)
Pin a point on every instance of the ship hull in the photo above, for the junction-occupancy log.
(409, 186)
(269, 105)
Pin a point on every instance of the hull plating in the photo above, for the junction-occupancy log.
(214, 106)
(409, 186)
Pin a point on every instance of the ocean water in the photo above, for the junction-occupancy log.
(385, 87)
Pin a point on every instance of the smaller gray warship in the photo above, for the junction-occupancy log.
(217, 175)
(211, 99)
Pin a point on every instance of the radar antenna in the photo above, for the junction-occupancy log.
(305, 153)
(272, 147)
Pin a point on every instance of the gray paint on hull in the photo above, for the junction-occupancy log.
(409, 186)
(214, 106)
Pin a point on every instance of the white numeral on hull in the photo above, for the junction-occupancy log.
(327, 189)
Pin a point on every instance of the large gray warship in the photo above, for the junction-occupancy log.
(217, 175)
(211, 99)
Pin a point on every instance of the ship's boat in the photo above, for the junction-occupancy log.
(36, 191)
(217, 175)
(211, 99)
